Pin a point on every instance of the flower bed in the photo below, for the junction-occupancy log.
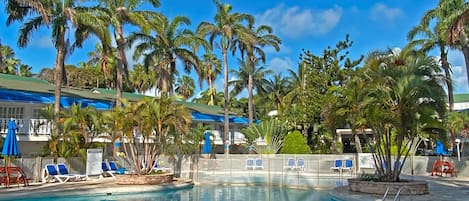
(374, 187)
(134, 179)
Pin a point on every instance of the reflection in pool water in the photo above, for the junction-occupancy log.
(205, 193)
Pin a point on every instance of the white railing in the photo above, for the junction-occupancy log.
(27, 126)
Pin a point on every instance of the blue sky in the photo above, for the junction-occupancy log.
(312, 25)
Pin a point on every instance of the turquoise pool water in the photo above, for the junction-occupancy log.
(204, 193)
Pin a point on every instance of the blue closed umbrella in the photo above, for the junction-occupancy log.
(10, 146)
(207, 144)
(440, 148)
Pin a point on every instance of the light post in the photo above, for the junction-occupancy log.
(457, 148)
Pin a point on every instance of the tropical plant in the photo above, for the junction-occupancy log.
(295, 143)
(407, 99)
(210, 69)
(255, 54)
(141, 78)
(170, 43)
(266, 137)
(116, 14)
(185, 86)
(458, 124)
(275, 90)
(227, 26)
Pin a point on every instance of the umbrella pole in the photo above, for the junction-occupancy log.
(7, 183)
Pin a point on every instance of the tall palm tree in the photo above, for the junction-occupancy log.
(57, 14)
(8, 61)
(211, 68)
(118, 13)
(227, 26)
(246, 72)
(254, 52)
(430, 40)
(450, 16)
(170, 43)
(185, 86)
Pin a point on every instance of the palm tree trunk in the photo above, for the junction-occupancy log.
(59, 66)
(358, 145)
(1, 57)
(251, 98)
(227, 99)
(448, 80)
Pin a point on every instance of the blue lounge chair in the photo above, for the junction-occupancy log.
(337, 165)
(290, 164)
(300, 164)
(348, 165)
(106, 169)
(63, 170)
(258, 164)
(51, 173)
(115, 169)
(249, 163)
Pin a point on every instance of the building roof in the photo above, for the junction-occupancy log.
(461, 98)
(17, 88)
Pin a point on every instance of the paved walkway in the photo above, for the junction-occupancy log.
(441, 189)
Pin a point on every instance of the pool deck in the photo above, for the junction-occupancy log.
(441, 188)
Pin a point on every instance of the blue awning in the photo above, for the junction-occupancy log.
(65, 102)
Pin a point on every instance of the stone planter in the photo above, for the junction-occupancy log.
(373, 187)
(134, 179)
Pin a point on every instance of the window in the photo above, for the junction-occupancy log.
(12, 112)
(37, 113)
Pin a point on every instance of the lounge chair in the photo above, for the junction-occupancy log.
(63, 170)
(51, 173)
(157, 167)
(115, 169)
(106, 169)
(249, 163)
(290, 164)
(348, 165)
(337, 165)
(300, 164)
(258, 164)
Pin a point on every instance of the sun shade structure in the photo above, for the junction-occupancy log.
(10, 147)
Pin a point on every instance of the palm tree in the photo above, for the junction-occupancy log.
(458, 122)
(243, 75)
(25, 70)
(429, 41)
(211, 68)
(105, 59)
(275, 90)
(406, 96)
(254, 52)
(227, 27)
(450, 16)
(58, 15)
(117, 14)
(9, 62)
(185, 86)
(141, 78)
(169, 44)
(210, 98)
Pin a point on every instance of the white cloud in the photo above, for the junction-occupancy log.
(278, 64)
(459, 76)
(295, 22)
(42, 42)
(381, 12)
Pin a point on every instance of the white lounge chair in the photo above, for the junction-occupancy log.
(258, 164)
(51, 173)
(300, 164)
(63, 170)
(249, 163)
(290, 164)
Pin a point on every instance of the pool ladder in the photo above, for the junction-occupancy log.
(396, 197)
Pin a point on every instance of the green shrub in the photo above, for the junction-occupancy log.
(295, 143)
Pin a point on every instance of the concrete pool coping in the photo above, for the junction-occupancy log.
(441, 188)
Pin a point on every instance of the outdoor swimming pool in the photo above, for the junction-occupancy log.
(204, 193)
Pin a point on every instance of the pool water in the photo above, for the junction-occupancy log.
(204, 193)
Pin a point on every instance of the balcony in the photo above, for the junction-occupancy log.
(33, 127)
